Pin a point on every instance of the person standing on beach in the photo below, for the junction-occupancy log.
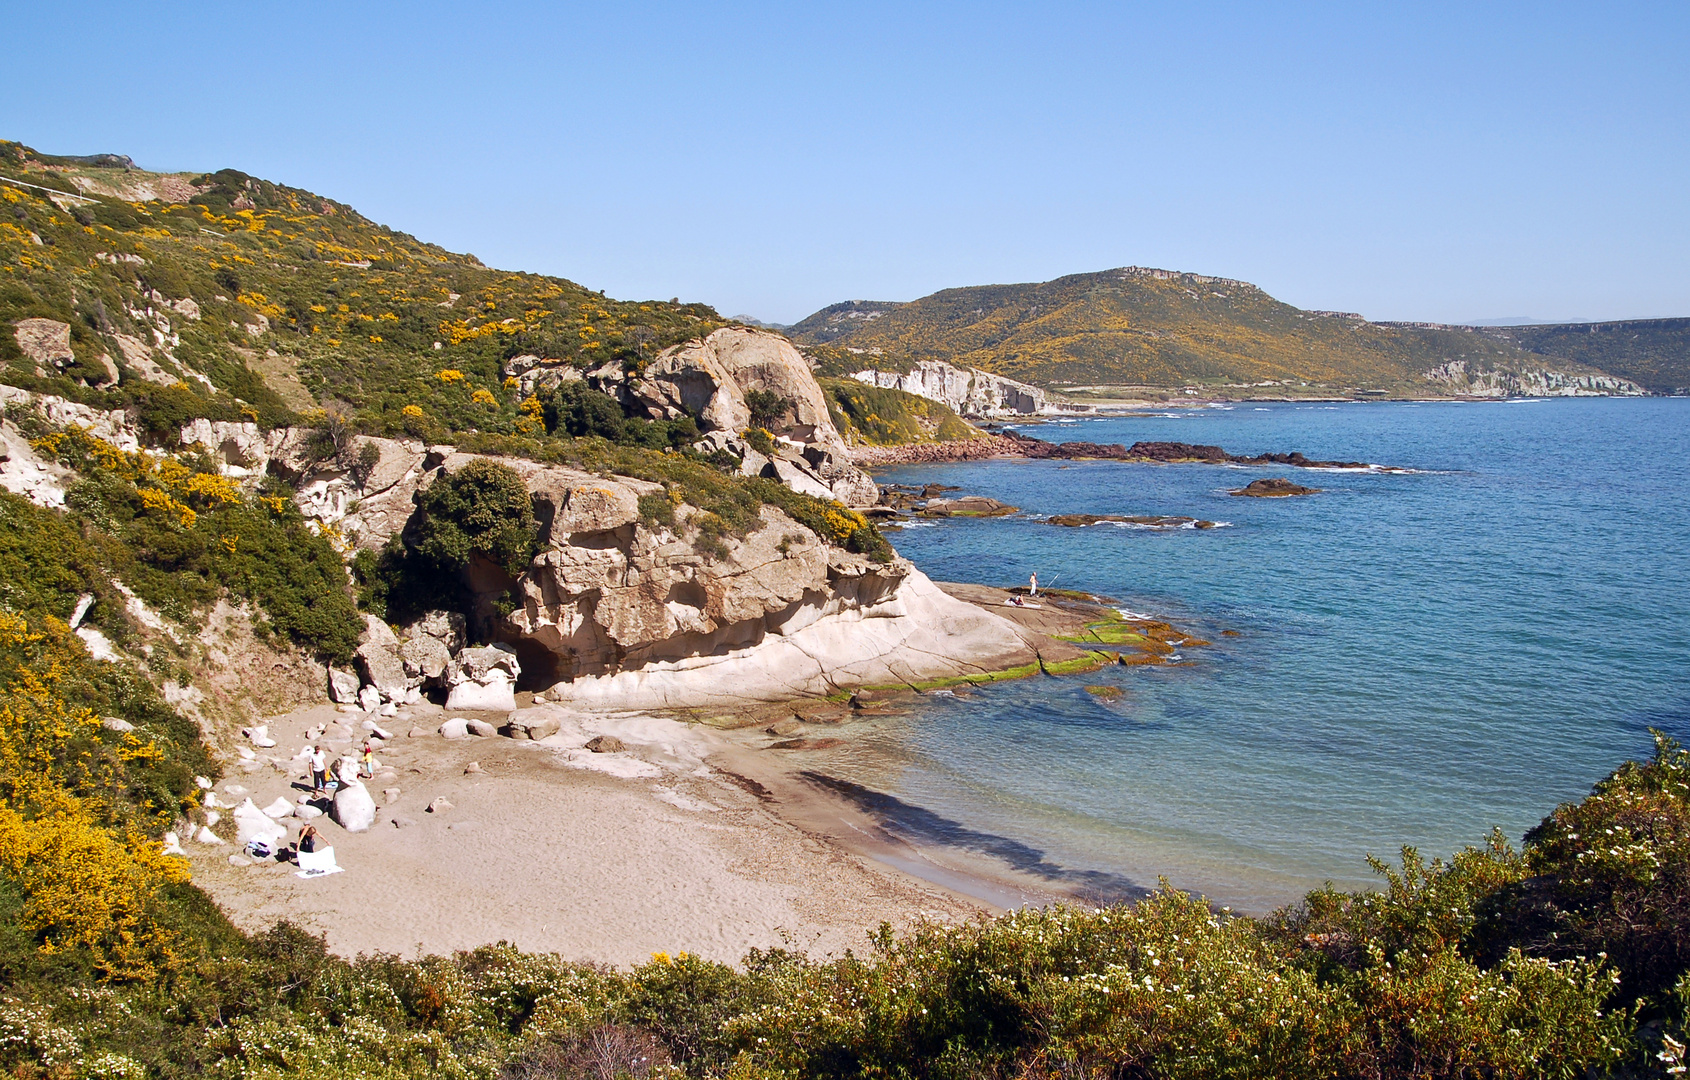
(1033, 583)
(319, 768)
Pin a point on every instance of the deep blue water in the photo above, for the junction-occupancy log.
(1422, 657)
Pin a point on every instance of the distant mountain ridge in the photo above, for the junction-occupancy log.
(1145, 327)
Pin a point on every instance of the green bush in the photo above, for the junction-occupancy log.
(178, 533)
(482, 509)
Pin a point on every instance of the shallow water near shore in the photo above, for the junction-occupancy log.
(1420, 657)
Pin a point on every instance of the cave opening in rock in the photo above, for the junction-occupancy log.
(541, 668)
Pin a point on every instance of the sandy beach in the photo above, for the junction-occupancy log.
(707, 833)
(598, 857)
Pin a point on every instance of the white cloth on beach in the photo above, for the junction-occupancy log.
(317, 863)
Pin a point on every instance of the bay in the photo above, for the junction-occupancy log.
(1419, 657)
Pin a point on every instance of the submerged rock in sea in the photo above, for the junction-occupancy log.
(967, 506)
(1148, 521)
(1273, 487)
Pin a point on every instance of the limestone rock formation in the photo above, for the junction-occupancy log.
(483, 678)
(709, 379)
(1472, 380)
(968, 391)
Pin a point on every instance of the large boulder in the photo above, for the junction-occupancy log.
(343, 687)
(428, 645)
(251, 824)
(46, 342)
(380, 662)
(354, 808)
(567, 503)
(483, 678)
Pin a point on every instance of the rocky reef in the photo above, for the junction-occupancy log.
(1166, 453)
(1273, 487)
(1143, 521)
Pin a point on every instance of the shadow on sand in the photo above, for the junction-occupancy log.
(922, 826)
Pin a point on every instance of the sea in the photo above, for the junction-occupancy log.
(1418, 657)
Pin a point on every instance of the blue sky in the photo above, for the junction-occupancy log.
(1440, 162)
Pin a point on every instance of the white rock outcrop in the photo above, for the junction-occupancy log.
(968, 391)
(709, 379)
(483, 679)
(1475, 381)
(913, 633)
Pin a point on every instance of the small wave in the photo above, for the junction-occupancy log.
(1150, 527)
(1136, 616)
(919, 524)
(1260, 409)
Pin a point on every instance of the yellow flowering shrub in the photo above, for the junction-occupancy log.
(485, 397)
(154, 499)
(212, 489)
(87, 888)
(414, 412)
(449, 375)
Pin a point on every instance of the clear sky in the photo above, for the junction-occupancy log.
(1441, 162)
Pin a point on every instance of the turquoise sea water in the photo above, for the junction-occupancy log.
(1422, 657)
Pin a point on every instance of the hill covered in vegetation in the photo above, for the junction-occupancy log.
(221, 294)
(1654, 353)
(1157, 328)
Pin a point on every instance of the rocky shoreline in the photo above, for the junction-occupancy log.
(1013, 444)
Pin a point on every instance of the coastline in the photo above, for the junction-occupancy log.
(707, 833)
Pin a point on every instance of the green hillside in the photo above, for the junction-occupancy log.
(1654, 353)
(1155, 328)
(293, 299)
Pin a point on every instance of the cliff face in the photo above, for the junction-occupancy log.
(1458, 377)
(614, 611)
(968, 391)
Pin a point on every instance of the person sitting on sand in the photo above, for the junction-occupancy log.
(307, 840)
